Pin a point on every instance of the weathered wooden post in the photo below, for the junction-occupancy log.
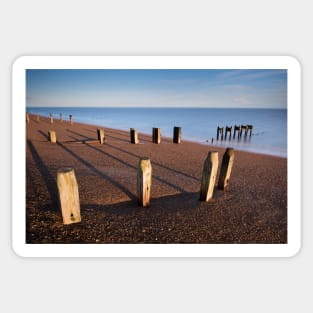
(237, 128)
(51, 118)
(133, 136)
(37, 117)
(100, 133)
(71, 119)
(227, 164)
(27, 117)
(61, 118)
(244, 127)
(209, 176)
(220, 131)
(228, 129)
(68, 195)
(177, 135)
(52, 136)
(250, 127)
(156, 135)
(144, 181)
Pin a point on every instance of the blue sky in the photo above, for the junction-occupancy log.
(154, 88)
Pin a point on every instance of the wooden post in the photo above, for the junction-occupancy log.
(156, 135)
(71, 119)
(209, 176)
(228, 129)
(61, 118)
(227, 164)
(217, 133)
(144, 180)
(51, 118)
(27, 117)
(177, 135)
(100, 133)
(237, 128)
(52, 136)
(250, 127)
(68, 195)
(37, 117)
(133, 136)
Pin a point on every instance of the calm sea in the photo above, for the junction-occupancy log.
(269, 125)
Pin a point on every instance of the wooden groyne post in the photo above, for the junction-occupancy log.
(61, 118)
(27, 117)
(133, 136)
(144, 181)
(51, 118)
(228, 129)
(177, 135)
(220, 131)
(243, 127)
(71, 119)
(250, 128)
(237, 128)
(68, 195)
(209, 176)
(52, 136)
(37, 117)
(227, 164)
(100, 133)
(156, 135)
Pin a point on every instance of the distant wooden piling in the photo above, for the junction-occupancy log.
(177, 135)
(61, 118)
(228, 129)
(209, 176)
(71, 119)
(52, 136)
(100, 133)
(68, 195)
(220, 131)
(250, 128)
(245, 128)
(237, 128)
(226, 167)
(37, 117)
(133, 136)
(27, 117)
(51, 118)
(156, 135)
(144, 181)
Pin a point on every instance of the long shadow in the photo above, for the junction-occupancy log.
(155, 163)
(97, 172)
(46, 175)
(135, 168)
(45, 135)
(78, 134)
(167, 204)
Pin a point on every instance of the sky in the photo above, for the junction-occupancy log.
(157, 88)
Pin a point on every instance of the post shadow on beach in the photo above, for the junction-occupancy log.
(46, 176)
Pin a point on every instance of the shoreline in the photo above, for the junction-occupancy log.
(252, 210)
(198, 135)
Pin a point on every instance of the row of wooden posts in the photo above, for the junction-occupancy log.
(37, 117)
(236, 128)
(156, 135)
(69, 194)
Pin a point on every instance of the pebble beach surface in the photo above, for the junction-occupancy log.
(252, 210)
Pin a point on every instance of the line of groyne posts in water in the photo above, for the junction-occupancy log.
(232, 130)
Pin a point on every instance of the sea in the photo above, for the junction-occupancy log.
(269, 134)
